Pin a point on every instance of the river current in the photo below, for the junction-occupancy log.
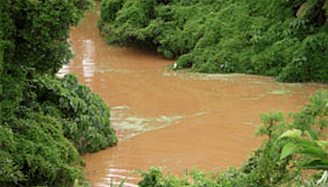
(175, 120)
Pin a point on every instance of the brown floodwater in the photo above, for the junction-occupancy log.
(176, 120)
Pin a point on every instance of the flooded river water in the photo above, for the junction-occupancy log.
(169, 119)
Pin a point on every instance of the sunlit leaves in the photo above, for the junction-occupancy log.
(309, 122)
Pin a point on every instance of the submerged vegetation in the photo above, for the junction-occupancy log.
(45, 122)
(287, 39)
(292, 144)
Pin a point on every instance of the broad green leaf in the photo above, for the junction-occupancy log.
(295, 133)
(313, 151)
(310, 148)
(323, 145)
(288, 149)
(316, 164)
(312, 135)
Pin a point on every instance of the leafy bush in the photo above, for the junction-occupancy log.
(286, 39)
(155, 177)
(38, 31)
(84, 115)
(45, 121)
(306, 137)
(35, 152)
(56, 118)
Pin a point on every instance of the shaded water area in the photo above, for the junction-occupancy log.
(170, 119)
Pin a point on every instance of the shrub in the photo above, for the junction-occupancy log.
(54, 121)
(39, 31)
(35, 152)
(84, 115)
(285, 39)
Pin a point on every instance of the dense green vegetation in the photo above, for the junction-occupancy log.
(45, 121)
(274, 163)
(287, 39)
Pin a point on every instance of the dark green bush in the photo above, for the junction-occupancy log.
(84, 115)
(35, 152)
(44, 121)
(285, 39)
(39, 31)
(55, 119)
(34, 40)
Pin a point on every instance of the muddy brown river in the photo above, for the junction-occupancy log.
(170, 119)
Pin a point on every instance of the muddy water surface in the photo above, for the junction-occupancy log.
(169, 119)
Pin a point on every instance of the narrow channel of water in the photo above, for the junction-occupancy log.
(169, 119)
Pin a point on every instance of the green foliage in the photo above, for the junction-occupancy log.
(155, 177)
(285, 39)
(34, 39)
(9, 171)
(305, 139)
(55, 119)
(1, 47)
(313, 118)
(35, 152)
(84, 115)
(268, 168)
(45, 121)
(39, 31)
